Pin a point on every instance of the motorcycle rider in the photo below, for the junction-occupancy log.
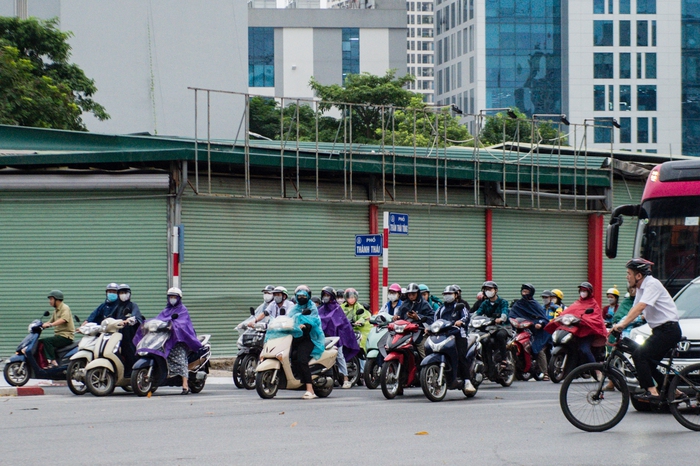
(335, 323)
(280, 304)
(360, 322)
(459, 318)
(609, 311)
(107, 308)
(458, 298)
(557, 297)
(415, 309)
(308, 337)
(340, 296)
(131, 324)
(430, 299)
(62, 323)
(527, 307)
(495, 307)
(661, 313)
(479, 300)
(549, 306)
(624, 308)
(394, 299)
(260, 311)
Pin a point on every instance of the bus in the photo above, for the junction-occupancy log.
(667, 224)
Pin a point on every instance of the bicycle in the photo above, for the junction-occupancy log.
(589, 406)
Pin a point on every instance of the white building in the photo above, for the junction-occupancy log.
(420, 56)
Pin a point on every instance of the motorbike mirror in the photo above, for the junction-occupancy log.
(252, 311)
(46, 313)
(266, 313)
(175, 316)
(359, 312)
(76, 318)
(459, 306)
(306, 312)
(590, 310)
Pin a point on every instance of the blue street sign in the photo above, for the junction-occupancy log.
(368, 245)
(398, 223)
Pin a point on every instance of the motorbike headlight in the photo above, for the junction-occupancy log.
(436, 347)
(435, 327)
(569, 320)
(566, 338)
(399, 328)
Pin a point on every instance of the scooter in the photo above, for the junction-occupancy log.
(250, 345)
(106, 371)
(275, 369)
(401, 359)
(438, 371)
(375, 340)
(75, 374)
(521, 346)
(29, 361)
(151, 370)
(566, 355)
(488, 358)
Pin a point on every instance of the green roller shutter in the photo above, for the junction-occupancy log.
(78, 242)
(547, 250)
(234, 247)
(624, 192)
(445, 246)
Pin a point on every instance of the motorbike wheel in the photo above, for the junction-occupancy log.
(16, 373)
(195, 385)
(264, 385)
(432, 389)
(141, 383)
(247, 371)
(74, 379)
(372, 373)
(237, 379)
(390, 380)
(127, 389)
(506, 376)
(557, 370)
(323, 392)
(100, 381)
(354, 371)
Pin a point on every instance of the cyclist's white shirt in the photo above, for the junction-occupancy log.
(274, 309)
(660, 306)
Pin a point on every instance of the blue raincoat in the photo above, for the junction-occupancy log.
(533, 311)
(312, 320)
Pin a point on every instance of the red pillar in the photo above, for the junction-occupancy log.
(595, 255)
(489, 244)
(373, 264)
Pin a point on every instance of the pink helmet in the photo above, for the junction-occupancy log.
(395, 287)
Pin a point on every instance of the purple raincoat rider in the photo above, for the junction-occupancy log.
(336, 324)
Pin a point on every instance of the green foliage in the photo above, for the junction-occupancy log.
(39, 85)
(517, 130)
(265, 116)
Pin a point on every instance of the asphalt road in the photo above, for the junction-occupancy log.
(522, 424)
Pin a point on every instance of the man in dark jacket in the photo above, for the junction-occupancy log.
(129, 312)
(107, 308)
(415, 309)
(457, 315)
(495, 307)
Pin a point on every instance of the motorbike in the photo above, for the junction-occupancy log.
(488, 358)
(353, 365)
(438, 371)
(566, 355)
(151, 370)
(375, 340)
(521, 346)
(29, 362)
(274, 372)
(250, 344)
(401, 359)
(75, 374)
(106, 370)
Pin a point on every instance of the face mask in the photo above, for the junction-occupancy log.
(172, 301)
(393, 297)
(278, 299)
(124, 297)
(546, 301)
(449, 298)
(490, 294)
(611, 301)
(583, 294)
(267, 297)
(111, 297)
(302, 300)
(325, 299)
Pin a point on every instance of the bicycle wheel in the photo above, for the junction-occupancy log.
(686, 408)
(586, 405)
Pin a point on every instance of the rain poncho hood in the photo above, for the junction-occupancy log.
(591, 324)
(182, 329)
(533, 311)
(312, 320)
(335, 324)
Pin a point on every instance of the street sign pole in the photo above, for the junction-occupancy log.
(385, 261)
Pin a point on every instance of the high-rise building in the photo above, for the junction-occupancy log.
(420, 47)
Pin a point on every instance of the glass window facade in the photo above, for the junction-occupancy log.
(261, 57)
(650, 66)
(603, 33)
(625, 130)
(642, 33)
(624, 7)
(351, 51)
(523, 55)
(603, 65)
(690, 77)
(625, 66)
(598, 7)
(598, 98)
(646, 7)
(603, 130)
(625, 98)
(646, 98)
(625, 33)
(643, 130)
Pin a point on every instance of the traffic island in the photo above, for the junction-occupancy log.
(21, 391)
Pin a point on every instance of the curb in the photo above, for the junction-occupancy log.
(21, 391)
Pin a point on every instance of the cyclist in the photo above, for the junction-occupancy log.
(655, 303)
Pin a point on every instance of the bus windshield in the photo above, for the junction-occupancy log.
(671, 239)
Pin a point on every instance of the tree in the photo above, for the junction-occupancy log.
(372, 92)
(517, 130)
(46, 89)
(265, 117)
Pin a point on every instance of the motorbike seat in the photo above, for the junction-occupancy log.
(471, 340)
(65, 350)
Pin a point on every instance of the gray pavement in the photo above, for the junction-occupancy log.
(224, 425)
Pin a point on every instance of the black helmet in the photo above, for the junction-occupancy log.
(547, 294)
(489, 284)
(586, 286)
(528, 286)
(268, 289)
(412, 288)
(316, 301)
(340, 293)
(329, 290)
(639, 265)
(123, 287)
(450, 289)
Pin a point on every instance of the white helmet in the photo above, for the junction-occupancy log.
(175, 292)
